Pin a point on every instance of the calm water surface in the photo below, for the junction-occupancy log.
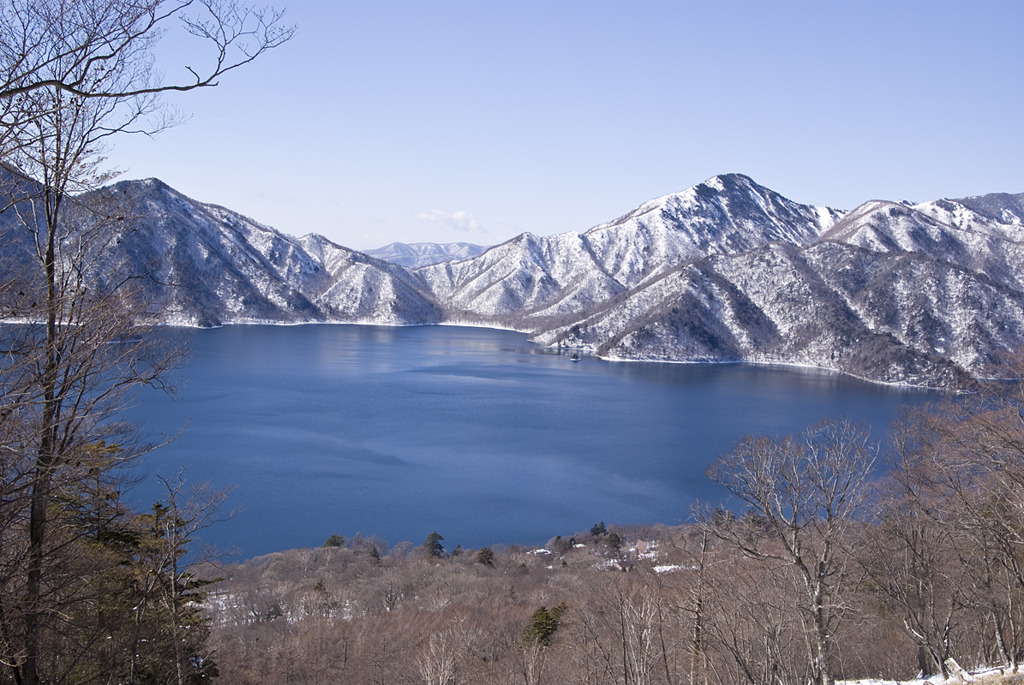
(475, 433)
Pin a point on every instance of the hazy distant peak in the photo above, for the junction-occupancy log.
(415, 255)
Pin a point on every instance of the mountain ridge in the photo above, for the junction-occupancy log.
(727, 270)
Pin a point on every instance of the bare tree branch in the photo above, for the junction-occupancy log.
(69, 46)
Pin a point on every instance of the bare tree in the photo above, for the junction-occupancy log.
(73, 47)
(972, 450)
(75, 74)
(751, 632)
(640, 622)
(803, 496)
(63, 389)
(911, 553)
(439, 659)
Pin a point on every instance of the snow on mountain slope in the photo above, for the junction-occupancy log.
(525, 276)
(533, 278)
(726, 214)
(995, 211)
(201, 264)
(894, 317)
(932, 306)
(207, 265)
(988, 240)
(366, 290)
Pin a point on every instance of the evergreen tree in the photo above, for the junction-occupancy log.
(543, 625)
(433, 545)
(171, 627)
(335, 541)
(485, 556)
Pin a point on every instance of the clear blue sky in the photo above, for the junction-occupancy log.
(476, 120)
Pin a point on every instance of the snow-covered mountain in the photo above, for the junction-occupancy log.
(532, 279)
(415, 255)
(727, 270)
(201, 264)
(926, 294)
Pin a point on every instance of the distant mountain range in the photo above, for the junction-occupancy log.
(928, 294)
(416, 255)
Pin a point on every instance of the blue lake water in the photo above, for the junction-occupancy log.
(475, 433)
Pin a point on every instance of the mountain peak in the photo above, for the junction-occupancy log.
(145, 185)
(723, 181)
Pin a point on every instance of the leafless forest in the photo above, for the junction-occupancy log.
(844, 559)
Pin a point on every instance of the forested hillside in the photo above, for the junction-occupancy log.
(838, 559)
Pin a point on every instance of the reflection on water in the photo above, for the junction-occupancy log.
(472, 432)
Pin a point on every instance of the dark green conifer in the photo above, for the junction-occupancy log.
(335, 541)
(433, 545)
(485, 556)
(543, 624)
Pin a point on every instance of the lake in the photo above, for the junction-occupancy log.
(474, 433)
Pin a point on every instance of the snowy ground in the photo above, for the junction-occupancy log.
(993, 676)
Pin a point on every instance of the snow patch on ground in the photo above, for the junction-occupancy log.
(989, 676)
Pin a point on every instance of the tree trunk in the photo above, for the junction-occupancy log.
(46, 458)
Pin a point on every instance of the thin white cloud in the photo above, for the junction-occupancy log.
(459, 220)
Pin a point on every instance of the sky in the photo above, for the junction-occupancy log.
(478, 120)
